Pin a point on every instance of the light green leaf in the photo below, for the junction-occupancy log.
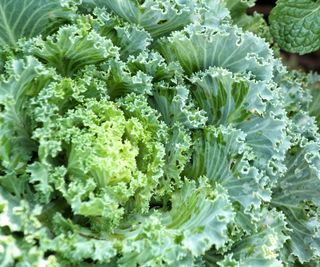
(9, 250)
(120, 81)
(24, 78)
(222, 155)
(297, 195)
(198, 219)
(132, 39)
(261, 248)
(8, 217)
(75, 245)
(295, 25)
(72, 48)
(174, 104)
(267, 136)
(19, 231)
(177, 155)
(293, 84)
(153, 64)
(201, 231)
(114, 155)
(39, 175)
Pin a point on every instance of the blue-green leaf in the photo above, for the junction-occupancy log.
(25, 19)
(198, 48)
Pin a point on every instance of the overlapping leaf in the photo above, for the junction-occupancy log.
(25, 19)
(152, 133)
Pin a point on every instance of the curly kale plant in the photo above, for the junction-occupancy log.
(151, 133)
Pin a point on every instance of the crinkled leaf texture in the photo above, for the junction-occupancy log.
(152, 133)
(295, 25)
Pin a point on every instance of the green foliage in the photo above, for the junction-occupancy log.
(25, 19)
(295, 25)
(153, 133)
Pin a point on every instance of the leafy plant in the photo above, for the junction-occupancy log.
(295, 25)
(152, 133)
